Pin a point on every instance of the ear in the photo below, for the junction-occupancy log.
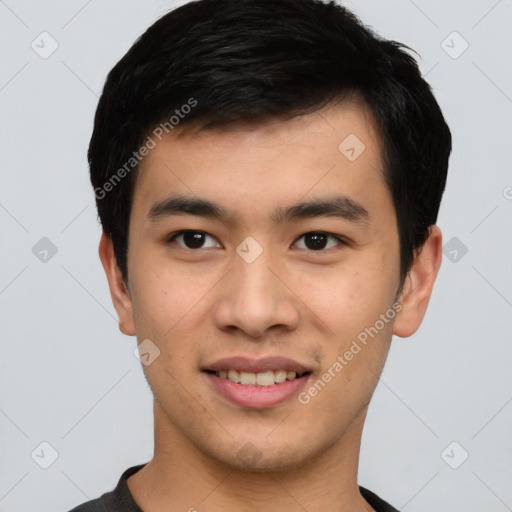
(118, 290)
(418, 285)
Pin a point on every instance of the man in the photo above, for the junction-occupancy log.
(268, 175)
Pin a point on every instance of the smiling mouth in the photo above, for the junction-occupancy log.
(263, 379)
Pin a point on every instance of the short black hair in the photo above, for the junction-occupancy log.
(211, 63)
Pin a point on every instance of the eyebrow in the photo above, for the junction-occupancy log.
(337, 206)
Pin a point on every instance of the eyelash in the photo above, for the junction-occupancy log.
(175, 235)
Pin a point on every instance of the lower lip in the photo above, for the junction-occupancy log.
(257, 397)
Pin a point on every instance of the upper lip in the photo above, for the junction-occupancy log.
(251, 365)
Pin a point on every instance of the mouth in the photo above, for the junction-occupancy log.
(256, 384)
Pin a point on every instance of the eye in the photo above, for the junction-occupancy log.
(317, 240)
(191, 239)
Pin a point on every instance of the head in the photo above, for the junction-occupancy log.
(253, 105)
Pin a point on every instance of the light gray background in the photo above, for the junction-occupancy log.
(69, 377)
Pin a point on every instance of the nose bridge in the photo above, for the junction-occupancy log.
(253, 277)
(255, 299)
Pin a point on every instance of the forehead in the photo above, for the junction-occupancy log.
(250, 166)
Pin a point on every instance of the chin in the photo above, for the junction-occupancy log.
(258, 458)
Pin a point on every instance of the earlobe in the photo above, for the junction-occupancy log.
(419, 284)
(118, 290)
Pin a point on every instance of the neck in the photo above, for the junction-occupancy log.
(182, 478)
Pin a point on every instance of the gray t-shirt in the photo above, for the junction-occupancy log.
(121, 500)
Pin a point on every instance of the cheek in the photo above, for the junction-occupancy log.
(160, 300)
(347, 301)
(169, 309)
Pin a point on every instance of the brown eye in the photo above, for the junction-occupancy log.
(318, 240)
(190, 239)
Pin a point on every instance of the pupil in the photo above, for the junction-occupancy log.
(193, 239)
(317, 240)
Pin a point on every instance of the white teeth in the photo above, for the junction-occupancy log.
(268, 378)
(234, 376)
(265, 379)
(247, 378)
(280, 376)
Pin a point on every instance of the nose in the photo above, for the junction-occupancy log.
(256, 299)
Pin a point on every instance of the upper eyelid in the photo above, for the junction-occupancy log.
(341, 239)
(170, 238)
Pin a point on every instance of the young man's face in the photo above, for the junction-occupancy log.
(215, 303)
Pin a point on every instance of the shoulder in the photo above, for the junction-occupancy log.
(97, 505)
(117, 500)
(376, 502)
